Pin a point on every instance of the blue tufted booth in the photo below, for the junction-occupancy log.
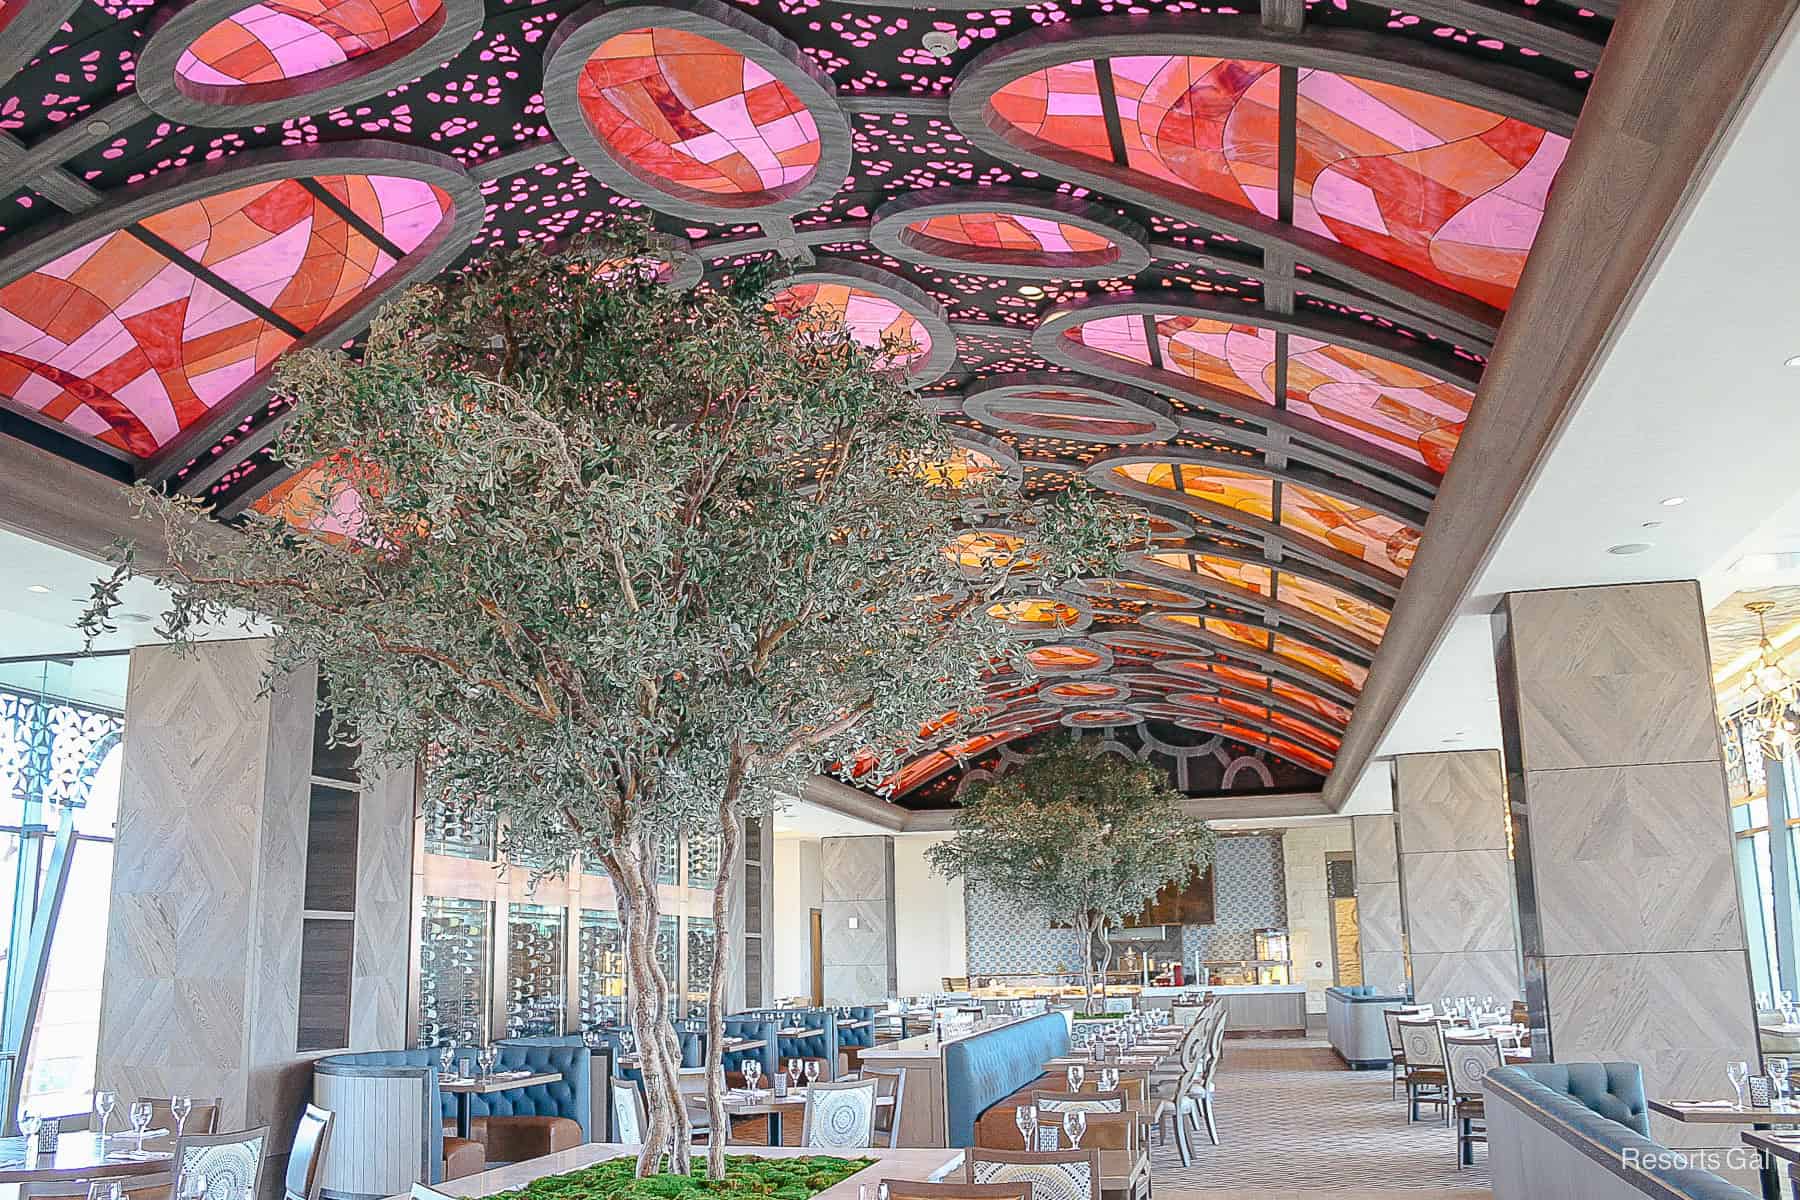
(984, 1068)
(389, 1132)
(1582, 1129)
(864, 1036)
(822, 1045)
(570, 1097)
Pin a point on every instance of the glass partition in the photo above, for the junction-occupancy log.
(534, 960)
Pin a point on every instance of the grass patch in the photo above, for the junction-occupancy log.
(747, 1177)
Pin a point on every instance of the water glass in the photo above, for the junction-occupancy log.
(1738, 1072)
(752, 1072)
(105, 1189)
(1075, 1124)
(812, 1071)
(140, 1120)
(179, 1108)
(1778, 1076)
(1109, 1079)
(1075, 1075)
(793, 1070)
(447, 1061)
(104, 1103)
(486, 1059)
(1025, 1117)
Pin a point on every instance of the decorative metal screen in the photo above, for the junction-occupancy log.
(50, 749)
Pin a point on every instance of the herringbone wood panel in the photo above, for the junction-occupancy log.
(1459, 900)
(1451, 801)
(1372, 840)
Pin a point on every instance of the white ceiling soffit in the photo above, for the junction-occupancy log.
(1693, 400)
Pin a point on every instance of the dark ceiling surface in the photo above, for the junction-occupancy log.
(1238, 266)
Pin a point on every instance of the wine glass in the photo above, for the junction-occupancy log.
(1025, 1117)
(179, 1108)
(140, 1121)
(1075, 1124)
(1738, 1072)
(447, 1060)
(105, 1101)
(192, 1186)
(812, 1071)
(1778, 1075)
(105, 1189)
(793, 1072)
(752, 1072)
(486, 1059)
(1109, 1079)
(1076, 1074)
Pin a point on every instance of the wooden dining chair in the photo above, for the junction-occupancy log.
(1053, 1174)
(306, 1161)
(229, 1161)
(890, 1085)
(1123, 1155)
(628, 1112)
(202, 1118)
(1466, 1064)
(913, 1189)
(840, 1116)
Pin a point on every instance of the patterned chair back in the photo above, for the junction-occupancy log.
(912, 1189)
(1052, 1174)
(628, 1112)
(1107, 1102)
(1419, 1038)
(229, 1161)
(840, 1116)
(889, 1085)
(1392, 1017)
(312, 1141)
(1468, 1063)
(1116, 1131)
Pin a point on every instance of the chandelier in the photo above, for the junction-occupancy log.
(1771, 691)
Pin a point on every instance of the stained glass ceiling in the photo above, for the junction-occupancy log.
(1239, 273)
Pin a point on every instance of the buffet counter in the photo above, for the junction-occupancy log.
(1277, 1008)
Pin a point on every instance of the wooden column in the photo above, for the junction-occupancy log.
(214, 906)
(1456, 880)
(1632, 939)
(1379, 928)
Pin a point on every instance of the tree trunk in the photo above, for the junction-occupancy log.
(1103, 930)
(729, 836)
(633, 865)
(1086, 925)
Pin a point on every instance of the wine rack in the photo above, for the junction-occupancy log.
(600, 969)
(534, 959)
(454, 957)
(459, 831)
(702, 957)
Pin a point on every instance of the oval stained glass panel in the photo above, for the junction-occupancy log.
(281, 41)
(125, 341)
(874, 321)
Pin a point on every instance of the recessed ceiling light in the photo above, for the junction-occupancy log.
(1651, 525)
(39, 588)
(1628, 548)
(1674, 501)
(1794, 361)
(1031, 291)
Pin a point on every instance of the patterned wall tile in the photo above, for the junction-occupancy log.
(1250, 893)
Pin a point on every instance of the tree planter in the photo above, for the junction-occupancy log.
(746, 1177)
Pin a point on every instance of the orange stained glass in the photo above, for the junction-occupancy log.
(1104, 716)
(279, 40)
(929, 766)
(119, 343)
(964, 467)
(1248, 679)
(1017, 232)
(1256, 737)
(1332, 666)
(1105, 421)
(1237, 490)
(326, 499)
(692, 114)
(1335, 606)
(1086, 690)
(1063, 659)
(1442, 189)
(1243, 576)
(1131, 591)
(989, 549)
(1034, 613)
(874, 322)
(1238, 359)
(1305, 731)
(1242, 708)
(1331, 710)
(1350, 528)
(1395, 407)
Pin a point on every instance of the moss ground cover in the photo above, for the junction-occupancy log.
(746, 1178)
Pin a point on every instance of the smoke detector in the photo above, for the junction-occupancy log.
(939, 43)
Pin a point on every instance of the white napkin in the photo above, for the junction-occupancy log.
(1705, 1103)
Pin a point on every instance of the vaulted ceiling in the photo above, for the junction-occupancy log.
(1238, 267)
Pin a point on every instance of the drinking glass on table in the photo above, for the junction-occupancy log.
(447, 1061)
(1025, 1117)
(1075, 1124)
(793, 1072)
(140, 1121)
(486, 1059)
(105, 1189)
(179, 1108)
(812, 1071)
(752, 1072)
(1738, 1072)
(1076, 1074)
(1778, 1076)
(104, 1102)
(1109, 1079)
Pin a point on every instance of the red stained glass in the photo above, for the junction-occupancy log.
(694, 115)
(325, 499)
(123, 345)
(1016, 233)
(1450, 192)
(285, 39)
(1393, 407)
(1063, 659)
(1256, 737)
(874, 321)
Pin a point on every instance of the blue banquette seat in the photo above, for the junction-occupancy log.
(984, 1068)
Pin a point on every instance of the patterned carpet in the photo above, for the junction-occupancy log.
(1292, 1118)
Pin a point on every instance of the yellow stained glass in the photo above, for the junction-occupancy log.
(1236, 490)
(1244, 576)
(1359, 532)
(1334, 605)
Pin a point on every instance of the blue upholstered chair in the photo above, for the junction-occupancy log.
(822, 1045)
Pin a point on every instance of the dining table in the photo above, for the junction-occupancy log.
(1715, 1112)
(465, 1089)
(85, 1155)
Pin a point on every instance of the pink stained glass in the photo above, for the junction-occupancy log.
(325, 500)
(121, 345)
(1450, 192)
(691, 114)
(874, 321)
(280, 40)
(1393, 407)
(1016, 233)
